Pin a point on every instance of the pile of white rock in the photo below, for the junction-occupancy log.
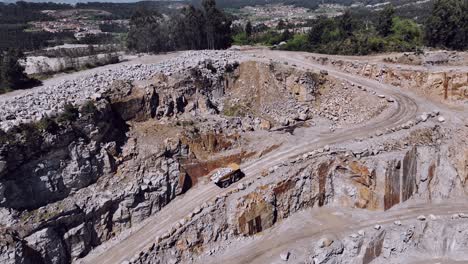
(33, 105)
(220, 173)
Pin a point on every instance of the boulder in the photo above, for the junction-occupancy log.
(285, 256)
(265, 124)
(49, 245)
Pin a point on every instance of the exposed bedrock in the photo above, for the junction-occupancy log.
(450, 85)
(70, 182)
(419, 240)
(374, 182)
(43, 163)
(81, 191)
(81, 178)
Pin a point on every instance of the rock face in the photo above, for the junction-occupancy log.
(315, 181)
(452, 85)
(89, 204)
(69, 183)
(271, 92)
(72, 181)
(41, 167)
(319, 181)
(397, 244)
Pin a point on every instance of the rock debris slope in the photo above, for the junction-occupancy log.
(49, 101)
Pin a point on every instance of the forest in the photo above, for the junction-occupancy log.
(356, 34)
(190, 28)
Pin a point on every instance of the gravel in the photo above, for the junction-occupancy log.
(49, 100)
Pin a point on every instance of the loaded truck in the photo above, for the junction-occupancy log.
(223, 177)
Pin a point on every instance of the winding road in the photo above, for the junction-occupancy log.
(333, 222)
(408, 106)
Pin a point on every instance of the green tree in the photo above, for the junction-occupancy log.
(189, 32)
(248, 29)
(286, 35)
(315, 33)
(385, 23)
(298, 42)
(240, 39)
(12, 74)
(218, 26)
(447, 25)
(322, 30)
(407, 30)
(346, 24)
(146, 32)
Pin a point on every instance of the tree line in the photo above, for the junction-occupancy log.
(190, 28)
(447, 26)
(353, 33)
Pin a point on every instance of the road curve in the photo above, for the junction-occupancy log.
(408, 106)
(267, 249)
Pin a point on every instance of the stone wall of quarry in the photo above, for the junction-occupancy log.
(374, 182)
(70, 182)
(410, 241)
(68, 186)
(444, 86)
(64, 192)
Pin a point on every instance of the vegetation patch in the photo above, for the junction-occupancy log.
(235, 110)
(70, 113)
(362, 31)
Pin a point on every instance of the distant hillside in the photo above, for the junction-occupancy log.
(405, 8)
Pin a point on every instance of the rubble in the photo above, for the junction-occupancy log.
(33, 105)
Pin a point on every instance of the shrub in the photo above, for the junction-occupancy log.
(376, 44)
(241, 39)
(47, 124)
(69, 114)
(29, 131)
(234, 110)
(407, 30)
(4, 137)
(89, 108)
(298, 42)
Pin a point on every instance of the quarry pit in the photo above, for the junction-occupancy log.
(344, 162)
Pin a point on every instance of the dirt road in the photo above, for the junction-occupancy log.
(408, 107)
(316, 223)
